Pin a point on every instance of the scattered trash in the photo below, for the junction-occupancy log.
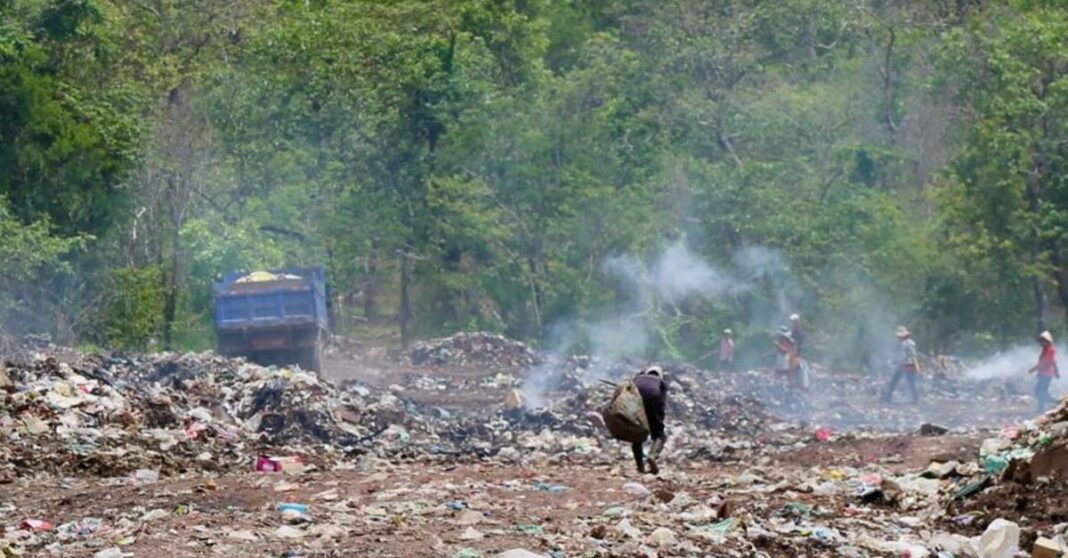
(662, 537)
(146, 475)
(408, 452)
(519, 553)
(1049, 548)
(636, 489)
(471, 534)
(37, 525)
(928, 429)
(554, 488)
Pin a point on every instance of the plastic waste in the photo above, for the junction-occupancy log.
(265, 464)
(519, 553)
(37, 525)
(662, 537)
(146, 475)
(289, 506)
(546, 487)
(624, 415)
(1000, 540)
(636, 489)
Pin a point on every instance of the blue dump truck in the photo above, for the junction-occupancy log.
(273, 317)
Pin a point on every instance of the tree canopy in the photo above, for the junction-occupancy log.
(460, 164)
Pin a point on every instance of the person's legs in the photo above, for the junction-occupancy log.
(655, 411)
(639, 460)
(893, 385)
(800, 405)
(1042, 393)
(910, 377)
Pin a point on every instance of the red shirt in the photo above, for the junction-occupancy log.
(1047, 364)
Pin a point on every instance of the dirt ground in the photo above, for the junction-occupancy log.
(404, 509)
(774, 498)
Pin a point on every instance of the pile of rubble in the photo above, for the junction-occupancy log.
(177, 412)
(1021, 475)
(478, 348)
(168, 412)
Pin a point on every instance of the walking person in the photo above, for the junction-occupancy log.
(1047, 370)
(791, 367)
(906, 365)
(653, 388)
(726, 350)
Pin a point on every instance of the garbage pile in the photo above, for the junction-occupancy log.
(174, 412)
(1022, 475)
(478, 348)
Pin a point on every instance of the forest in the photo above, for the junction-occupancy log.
(545, 169)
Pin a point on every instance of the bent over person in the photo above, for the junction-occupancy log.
(653, 388)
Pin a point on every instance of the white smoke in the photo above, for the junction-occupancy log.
(678, 274)
(672, 276)
(1007, 365)
(675, 274)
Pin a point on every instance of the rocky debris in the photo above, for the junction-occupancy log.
(177, 412)
(478, 348)
(1022, 475)
(170, 412)
(172, 434)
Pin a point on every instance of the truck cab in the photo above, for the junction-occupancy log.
(273, 317)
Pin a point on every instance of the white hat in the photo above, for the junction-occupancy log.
(902, 331)
(728, 332)
(655, 371)
(795, 317)
(1047, 336)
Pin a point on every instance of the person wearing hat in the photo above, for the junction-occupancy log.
(1046, 369)
(790, 366)
(906, 365)
(726, 350)
(653, 388)
(797, 333)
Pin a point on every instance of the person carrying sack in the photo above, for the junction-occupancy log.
(653, 388)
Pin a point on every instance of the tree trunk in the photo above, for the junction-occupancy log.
(1035, 248)
(170, 292)
(1058, 275)
(535, 293)
(370, 283)
(405, 313)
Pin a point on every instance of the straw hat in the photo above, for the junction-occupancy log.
(902, 331)
(1047, 336)
(795, 317)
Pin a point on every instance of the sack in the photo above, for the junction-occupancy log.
(624, 415)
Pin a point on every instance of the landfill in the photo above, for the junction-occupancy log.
(478, 445)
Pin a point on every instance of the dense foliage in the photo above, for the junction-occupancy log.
(486, 164)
